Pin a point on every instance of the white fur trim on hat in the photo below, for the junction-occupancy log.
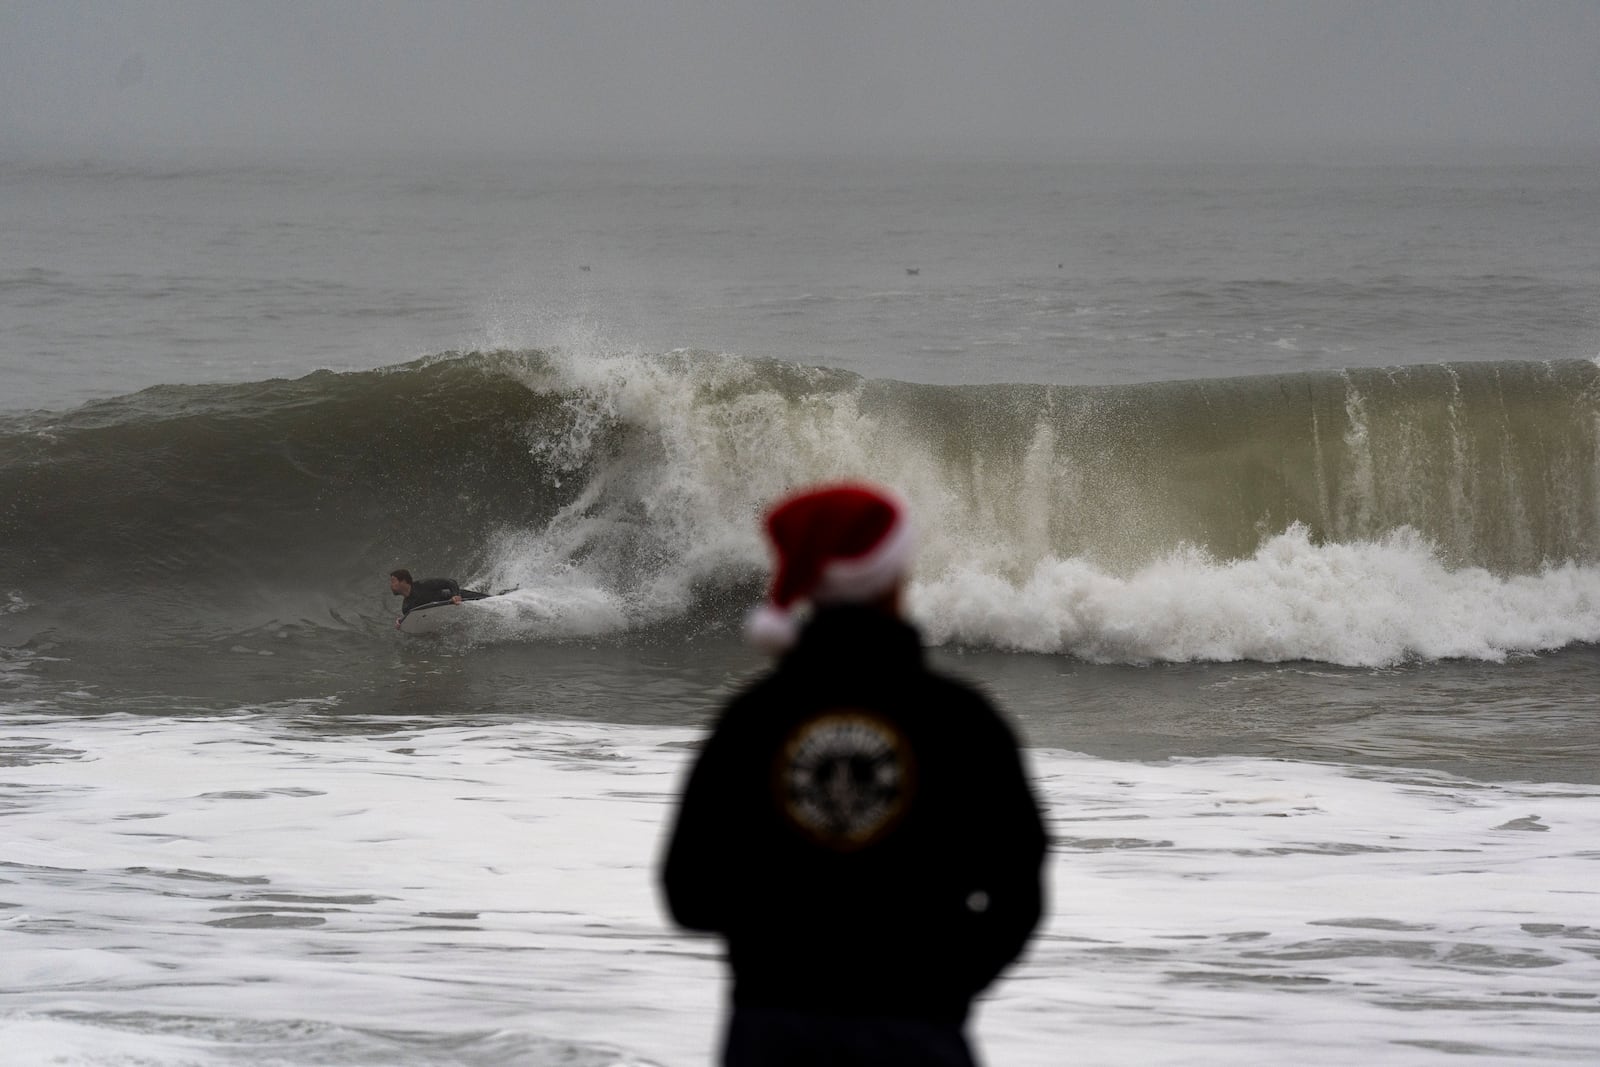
(867, 576)
(771, 629)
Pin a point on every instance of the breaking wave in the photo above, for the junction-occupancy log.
(1362, 517)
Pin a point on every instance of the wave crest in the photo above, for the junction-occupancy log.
(1361, 517)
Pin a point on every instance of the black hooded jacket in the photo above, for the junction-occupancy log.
(860, 830)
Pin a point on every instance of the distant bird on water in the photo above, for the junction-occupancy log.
(913, 270)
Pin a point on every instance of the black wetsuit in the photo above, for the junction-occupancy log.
(862, 833)
(433, 590)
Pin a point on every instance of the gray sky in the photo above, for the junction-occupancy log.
(292, 76)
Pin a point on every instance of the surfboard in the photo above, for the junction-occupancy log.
(438, 616)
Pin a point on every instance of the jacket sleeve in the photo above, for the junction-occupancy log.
(695, 875)
(1013, 861)
(1022, 885)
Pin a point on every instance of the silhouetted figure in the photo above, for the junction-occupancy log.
(859, 829)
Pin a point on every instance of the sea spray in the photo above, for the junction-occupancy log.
(1365, 603)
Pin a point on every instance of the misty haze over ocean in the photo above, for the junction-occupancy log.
(1010, 77)
(1240, 361)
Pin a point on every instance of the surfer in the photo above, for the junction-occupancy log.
(859, 829)
(418, 592)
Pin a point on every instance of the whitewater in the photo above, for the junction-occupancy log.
(181, 890)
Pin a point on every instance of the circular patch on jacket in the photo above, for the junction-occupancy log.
(844, 778)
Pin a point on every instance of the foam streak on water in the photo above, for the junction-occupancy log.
(255, 888)
(1369, 603)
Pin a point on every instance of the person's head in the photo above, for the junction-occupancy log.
(400, 582)
(839, 543)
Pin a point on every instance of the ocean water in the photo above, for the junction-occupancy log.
(1265, 499)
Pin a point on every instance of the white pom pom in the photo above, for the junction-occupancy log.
(771, 629)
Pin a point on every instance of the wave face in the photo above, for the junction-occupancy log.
(1360, 517)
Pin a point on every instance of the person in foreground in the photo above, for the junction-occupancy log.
(418, 592)
(858, 829)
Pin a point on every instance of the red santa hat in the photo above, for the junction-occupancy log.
(842, 543)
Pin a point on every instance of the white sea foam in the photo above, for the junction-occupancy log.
(1363, 604)
(692, 458)
(679, 456)
(265, 889)
(676, 458)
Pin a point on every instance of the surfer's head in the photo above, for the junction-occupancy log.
(400, 582)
